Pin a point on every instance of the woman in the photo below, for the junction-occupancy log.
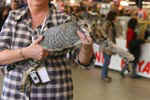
(19, 42)
(111, 34)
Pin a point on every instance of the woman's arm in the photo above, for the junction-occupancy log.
(34, 51)
(11, 56)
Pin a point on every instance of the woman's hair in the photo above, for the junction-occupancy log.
(132, 23)
(111, 16)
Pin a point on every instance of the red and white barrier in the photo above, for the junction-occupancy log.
(117, 63)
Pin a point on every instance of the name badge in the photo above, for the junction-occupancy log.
(43, 74)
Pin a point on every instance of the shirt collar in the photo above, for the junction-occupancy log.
(21, 12)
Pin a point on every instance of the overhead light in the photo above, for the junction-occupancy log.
(124, 3)
(8, 2)
(72, 1)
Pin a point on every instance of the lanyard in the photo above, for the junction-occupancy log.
(43, 25)
(42, 28)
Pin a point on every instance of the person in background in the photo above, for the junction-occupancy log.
(131, 34)
(139, 3)
(133, 45)
(141, 13)
(111, 34)
(68, 9)
(23, 3)
(14, 4)
(20, 45)
(59, 4)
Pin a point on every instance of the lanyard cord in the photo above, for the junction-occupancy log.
(43, 25)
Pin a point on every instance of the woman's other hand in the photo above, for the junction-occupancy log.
(86, 51)
(86, 40)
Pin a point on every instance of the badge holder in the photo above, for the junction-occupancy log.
(43, 75)
(40, 76)
(34, 77)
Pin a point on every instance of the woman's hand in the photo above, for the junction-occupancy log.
(86, 51)
(86, 40)
(35, 50)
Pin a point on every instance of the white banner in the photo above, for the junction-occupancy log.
(117, 63)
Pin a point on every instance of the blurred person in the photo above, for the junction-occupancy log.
(20, 44)
(133, 45)
(59, 4)
(68, 9)
(141, 13)
(131, 34)
(98, 7)
(75, 9)
(14, 4)
(139, 3)
(23, 3)
(111, 35)
(81, 11)
(117, 2)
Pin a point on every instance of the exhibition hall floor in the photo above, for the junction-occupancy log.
(88, 86)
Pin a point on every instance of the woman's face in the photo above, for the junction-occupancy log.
(37, 2)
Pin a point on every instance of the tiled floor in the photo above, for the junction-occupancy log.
(88, 86)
